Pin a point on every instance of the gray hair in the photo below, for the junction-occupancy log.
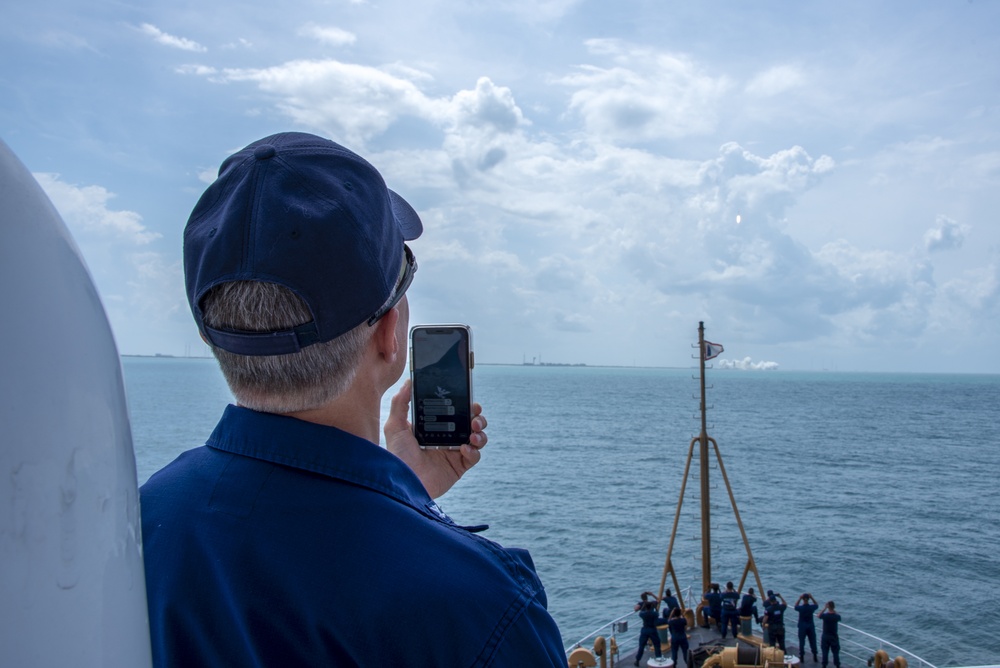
(280, 383)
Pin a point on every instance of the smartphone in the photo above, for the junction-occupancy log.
(441, 362)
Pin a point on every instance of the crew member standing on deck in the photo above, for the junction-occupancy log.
(774, 614)
(647, 612)
(830, 640)
(748, 606)
(730, 615)
(678, 637)
(714, 598)
(669, 604)
(277, 542)
(807, 624)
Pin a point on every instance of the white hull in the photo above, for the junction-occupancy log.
(72, 589)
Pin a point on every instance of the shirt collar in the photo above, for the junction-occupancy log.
(321, 449)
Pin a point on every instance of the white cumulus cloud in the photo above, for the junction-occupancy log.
(85, 209)
(644, 94)
(947, 234)
(747, 364)
(166, 39)
(328, 34)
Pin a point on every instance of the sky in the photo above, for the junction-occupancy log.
(816, 181)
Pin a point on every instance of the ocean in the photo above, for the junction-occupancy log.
(874, 490)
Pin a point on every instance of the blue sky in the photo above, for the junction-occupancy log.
(818, 182)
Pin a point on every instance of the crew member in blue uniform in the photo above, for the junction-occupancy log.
(748, 606)
(830, 640)
(774, 616)
(647, 612)
(278, 542)
(806, 606)
(714, 598)
(730, 615)
(669, 604)
(677, 625)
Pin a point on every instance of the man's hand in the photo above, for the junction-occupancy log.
(438, 469)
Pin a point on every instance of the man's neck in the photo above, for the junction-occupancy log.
(355, 411)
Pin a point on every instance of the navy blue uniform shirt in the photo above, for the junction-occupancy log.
(287, 543)
(776, 614)
(806, 611)
(830, 621)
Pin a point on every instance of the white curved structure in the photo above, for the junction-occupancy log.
(72, 589)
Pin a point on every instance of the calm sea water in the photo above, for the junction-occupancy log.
(878, 491)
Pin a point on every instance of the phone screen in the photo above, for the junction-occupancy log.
(441, 363)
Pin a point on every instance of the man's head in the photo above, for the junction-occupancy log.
(290, 257)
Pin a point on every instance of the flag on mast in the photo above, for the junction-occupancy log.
(712, 350)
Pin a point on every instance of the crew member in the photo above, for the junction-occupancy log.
(669, 604)
(806, 606)
(730, 615)
(830, 640)
(647, 612)
(678, 637)
(278, 542)
(714, 599)
(748, 606)
(774, 615)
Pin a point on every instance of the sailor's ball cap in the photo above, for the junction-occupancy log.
(307, 213)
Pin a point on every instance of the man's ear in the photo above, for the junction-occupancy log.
(385, 335)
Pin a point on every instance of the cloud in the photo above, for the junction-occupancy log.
(161, 37)
(352, 102)
(644, 94)
(139, 287)
(947, 234)
(328, 34)
(85, 210)
(356, 103)
(588, 230)
(538, 11)
(747, 364)
(775, 81)
(486, 106)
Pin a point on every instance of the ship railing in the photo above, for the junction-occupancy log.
(624, 630)
(862, 646)
(858, 645)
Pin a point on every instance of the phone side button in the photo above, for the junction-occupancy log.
(472, 359)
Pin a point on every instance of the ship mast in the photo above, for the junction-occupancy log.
(703, 440)
(706, 520)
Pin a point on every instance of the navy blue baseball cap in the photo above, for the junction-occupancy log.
(306, 213)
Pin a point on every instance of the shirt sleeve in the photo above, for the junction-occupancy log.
(532, 640)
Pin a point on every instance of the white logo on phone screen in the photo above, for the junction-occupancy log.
(441, 392)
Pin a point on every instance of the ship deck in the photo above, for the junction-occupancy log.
(706, 641)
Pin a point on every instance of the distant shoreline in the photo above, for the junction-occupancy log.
(543, 364)
(552, 365)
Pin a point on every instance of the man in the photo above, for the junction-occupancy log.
(806, 625)
(713, 598)
(774, 616)
(830, 640)
(677, 625)
(748, 606)
(290, 537)
(730, 615)
(670, 603)
(648, 633)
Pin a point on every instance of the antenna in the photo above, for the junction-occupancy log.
(703, 440)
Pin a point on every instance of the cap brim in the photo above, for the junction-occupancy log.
(407, 219)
